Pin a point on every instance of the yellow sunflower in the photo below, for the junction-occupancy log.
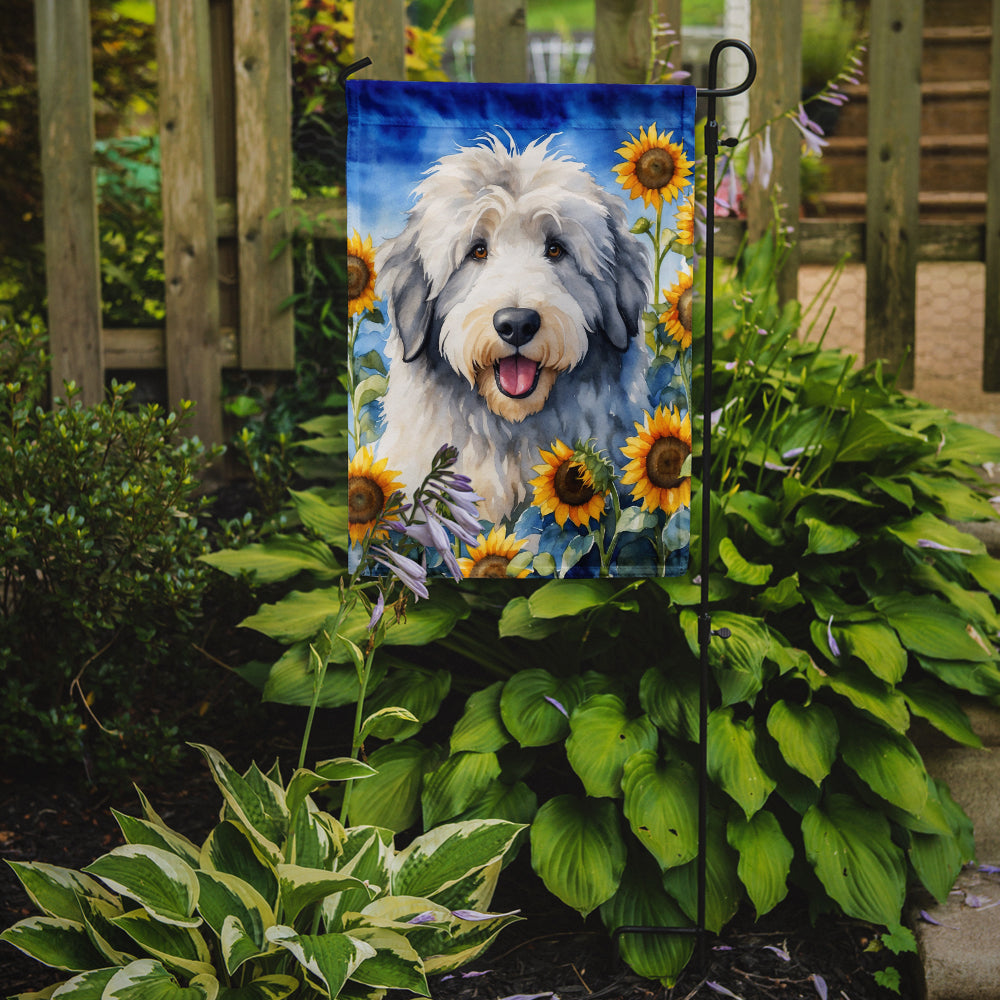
(684, 223)
(655, 168)
(491, 555)
(658, 454)
(369, 487)
(565, 488)
(678, 318)
(360, 274)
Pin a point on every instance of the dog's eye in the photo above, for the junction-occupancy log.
(554, 250)
(479, 251)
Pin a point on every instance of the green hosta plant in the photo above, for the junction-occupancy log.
(279, 900)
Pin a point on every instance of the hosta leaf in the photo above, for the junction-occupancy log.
(671, 700)
(56, 891)
(937, 860)
(225, 897)
(441, 857)
(366, 855)
(87, 986)
(641, 901)
(985, 569)
(578, 851)
(301, 887)
(456, 784)
(869, 436)
(327, 520)
(765, 858)
(279, 558)
(957, 501)
(876, 646)
(723, 889)
(54, 941)
(601, 739)
(159, 881)
(936, 704)
(783, 595)
(932, 628)
(180, 948)
(274, 987)
(395, 964)
(739, 569)
(661, 799)
(292, 680)
(530, 706)
(850, 848)
(888, 763)
(417, 690)
(304, 782)
(147, 979)
(864, 691)
(807, 736)
(142, 831)
(516, 803)
(928, 528)
(330, 959)
(481, 728)
(732, 760)
(738, 661)
(760, 512)
(976, 678)
(391, 798)
(466, 941)
(828, 539)
(98, 916)
(517, 620)
(230, 849)
(560, 598)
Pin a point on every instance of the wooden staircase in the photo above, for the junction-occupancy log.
(953, 127)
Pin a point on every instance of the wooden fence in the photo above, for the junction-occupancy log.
(226, 161)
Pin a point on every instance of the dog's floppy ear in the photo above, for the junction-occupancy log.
(625, 293)
(403, 286)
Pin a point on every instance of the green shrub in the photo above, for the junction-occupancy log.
(280, 899)
(101, 584)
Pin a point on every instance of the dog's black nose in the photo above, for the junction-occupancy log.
(516, 326)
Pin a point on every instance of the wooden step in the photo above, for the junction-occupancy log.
(959, 206)
(940, 13)
(945, 105)
(956, 53)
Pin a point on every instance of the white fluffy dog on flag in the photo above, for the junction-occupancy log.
(515, 294)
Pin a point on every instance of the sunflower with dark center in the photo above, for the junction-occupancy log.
(684, 223)
(369, 487)
(491, 555)
(566, 489)
(655, 168)
(658, 454)
(360, 274)
(678, 318)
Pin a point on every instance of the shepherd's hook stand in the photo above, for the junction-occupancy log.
(705, 630)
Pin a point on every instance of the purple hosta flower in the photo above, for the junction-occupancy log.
(811, 132)
(475, 915)
(831, 642)
(820, 984)
(377, 612)
(427, 917)
(411, 574)
(728, 195)
(928, 543)
(431, 534)
(780, 952)
(558, 705)
(989, 869)
(927, 918)
(531, 996)
(465, 975)
(719, 988)
(462, 518)
(760, 165)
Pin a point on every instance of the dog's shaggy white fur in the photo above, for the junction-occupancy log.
(515, 294)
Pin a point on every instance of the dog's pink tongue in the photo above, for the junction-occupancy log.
(517, 374)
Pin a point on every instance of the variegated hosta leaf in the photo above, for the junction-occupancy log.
(732, 760)
(850, 847)
(301, 887)
(807, 736)
(230, 849)
(177, 947)
(256, 801)
(367, 853)
(56, 891)
(141, 831)
(602, 737)
(578, 851)
(456, 784)
(225, 897)
(116, 947)
(661, 799)
(395, 964)
(304, 782)
(315, 838)
(642, 902)
(147, 979)
(467, 940)
(158, 880)
(481, 727)
(86, 986)
(329, 959)
(274, 987)
(765, 858)
(475, 891)
(54, 941)
(441, 857)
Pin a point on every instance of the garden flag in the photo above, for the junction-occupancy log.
(520, 288)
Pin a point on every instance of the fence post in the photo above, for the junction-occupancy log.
(262, 61)
(776, 34)
(380, 34)
(991, 332)
(501, 36)
(621, 40)
(190, 251)
(893, 183)
(72, 254)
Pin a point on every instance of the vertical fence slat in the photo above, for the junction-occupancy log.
(893, 183)
(991, 332)
(501, 41)
(72, 257)
(621, 40)
(190, 253)
(380, 34)
(261, 57)
(776, 34)
(668, 13)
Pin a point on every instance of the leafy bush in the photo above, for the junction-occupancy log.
(854, 604)
(279, 899)
(99, 540)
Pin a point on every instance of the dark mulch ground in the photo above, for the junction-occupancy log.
(550, 952)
